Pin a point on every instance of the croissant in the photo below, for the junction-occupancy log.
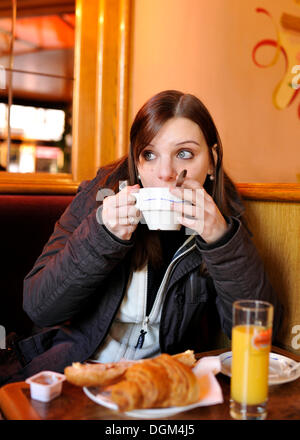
(88, 375)
(156, 383)
(98, 374)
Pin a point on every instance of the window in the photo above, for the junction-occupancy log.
(37, 62)
(80, 80)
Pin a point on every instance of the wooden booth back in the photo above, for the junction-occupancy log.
(276, 229)
(26, 223)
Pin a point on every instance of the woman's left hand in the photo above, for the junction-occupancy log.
(200, 213)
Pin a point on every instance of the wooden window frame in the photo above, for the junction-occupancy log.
(100, 99)
(100, 106)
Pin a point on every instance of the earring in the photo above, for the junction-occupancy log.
(211, 175)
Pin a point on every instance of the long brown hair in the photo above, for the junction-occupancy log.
(148, 121)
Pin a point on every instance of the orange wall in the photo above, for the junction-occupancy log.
(205, 48)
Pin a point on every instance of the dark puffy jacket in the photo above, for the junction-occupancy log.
(81, 276)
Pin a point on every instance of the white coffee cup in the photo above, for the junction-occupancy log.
(155, 206)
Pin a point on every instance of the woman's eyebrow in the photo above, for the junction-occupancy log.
(188, 142)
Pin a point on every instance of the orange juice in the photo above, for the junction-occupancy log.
(250, 363)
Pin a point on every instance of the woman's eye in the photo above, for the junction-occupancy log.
(185, 154)
(148, 155)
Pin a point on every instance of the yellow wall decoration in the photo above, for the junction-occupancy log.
(287, 89)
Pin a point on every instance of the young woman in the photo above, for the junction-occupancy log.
(114, 289)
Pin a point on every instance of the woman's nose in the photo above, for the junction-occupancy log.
(166, 172)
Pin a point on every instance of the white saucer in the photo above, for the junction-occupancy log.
(211, 389)
(278, 368)
(95, 394)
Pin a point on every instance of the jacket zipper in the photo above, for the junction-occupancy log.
(162, 314)
(162, 288)
(144, 329)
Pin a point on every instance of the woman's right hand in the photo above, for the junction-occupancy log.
(119, 214)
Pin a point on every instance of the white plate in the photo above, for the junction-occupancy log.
(94, 394)
(277, 366)
(213, 396)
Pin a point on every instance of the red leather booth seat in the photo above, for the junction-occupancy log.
(26, 222)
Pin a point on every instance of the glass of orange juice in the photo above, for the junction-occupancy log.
(251, 343)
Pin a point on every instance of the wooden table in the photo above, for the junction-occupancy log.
(73, 404)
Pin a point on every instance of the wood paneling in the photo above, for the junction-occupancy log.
(37, 183)
(84, 95)
(101, 85)
(112, 91)
(289, 192)
(276, 229)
